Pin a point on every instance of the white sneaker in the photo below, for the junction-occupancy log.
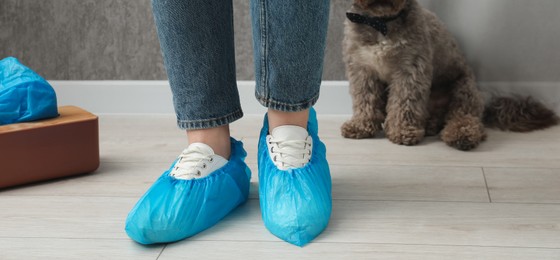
(197, 161)
(289, 146)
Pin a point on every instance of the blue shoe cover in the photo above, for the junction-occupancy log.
(24, 95)
(295, 204)
(174, 209)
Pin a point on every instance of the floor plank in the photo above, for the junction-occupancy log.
(64, 217)
(523, 185)
(71, 249)
(110, 180)
(408, 183)
(430, 223)
(281, 250)
(349, 182)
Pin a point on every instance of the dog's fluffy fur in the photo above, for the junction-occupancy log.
(415, 82)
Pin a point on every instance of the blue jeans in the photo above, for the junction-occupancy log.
(196, 38)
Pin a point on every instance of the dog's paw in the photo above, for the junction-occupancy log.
(405, 135)
(355, 129)
(465, 134)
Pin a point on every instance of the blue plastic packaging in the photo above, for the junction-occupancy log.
(173, 209)
(24, 95)
(295, 204)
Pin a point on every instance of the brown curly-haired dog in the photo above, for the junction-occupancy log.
(408, 76)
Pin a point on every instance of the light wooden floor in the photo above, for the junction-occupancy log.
(501, 201)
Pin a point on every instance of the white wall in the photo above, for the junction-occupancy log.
(506, 40)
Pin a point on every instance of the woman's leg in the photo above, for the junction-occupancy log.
(289, 42)
(209, 178)
(294, 178)
(197, 43)
(279, 118)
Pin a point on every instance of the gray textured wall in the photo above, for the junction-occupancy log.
(505, 40)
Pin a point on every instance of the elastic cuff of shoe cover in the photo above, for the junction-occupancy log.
(295, 204)
(174, 209)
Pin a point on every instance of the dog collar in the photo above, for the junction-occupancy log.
(378, 23)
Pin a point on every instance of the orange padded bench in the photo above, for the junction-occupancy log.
(47, 149)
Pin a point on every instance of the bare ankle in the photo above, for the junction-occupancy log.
(217, 138)
(277, 118)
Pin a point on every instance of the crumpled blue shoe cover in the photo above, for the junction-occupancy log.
(174, 209)
(24, 95)
(296, 203)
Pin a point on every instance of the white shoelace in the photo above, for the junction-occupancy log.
(191, 163)
(288, 154)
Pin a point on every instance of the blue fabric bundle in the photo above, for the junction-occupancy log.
(295, 204)
(174, 209)
(24, 95)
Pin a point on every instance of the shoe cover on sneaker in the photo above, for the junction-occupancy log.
(295, 203)
(174, 209)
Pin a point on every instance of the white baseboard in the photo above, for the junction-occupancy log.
(154, 97)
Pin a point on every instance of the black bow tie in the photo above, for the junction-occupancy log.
(378, 23)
